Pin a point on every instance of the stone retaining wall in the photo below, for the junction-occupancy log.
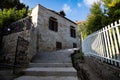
(25, 29)
(103, 70)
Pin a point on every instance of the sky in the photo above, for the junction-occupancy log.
(76, 10)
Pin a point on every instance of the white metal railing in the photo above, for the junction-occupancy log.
(104, 44)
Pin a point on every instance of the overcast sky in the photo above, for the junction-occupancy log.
(76, 10)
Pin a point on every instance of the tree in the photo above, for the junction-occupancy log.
(7, 4)
(7, 16)
(101, 17)
(81, 29)
(112, 8)
(94, 20)
(11, 11)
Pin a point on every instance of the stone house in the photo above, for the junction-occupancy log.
(45, 30)
(54, 30)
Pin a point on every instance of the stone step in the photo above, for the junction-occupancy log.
(52, 61)
(35, 71)
(50, 65)
(60, 56)
(6, 74)
(46, 78)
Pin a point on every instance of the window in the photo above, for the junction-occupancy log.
(74, 45)
(72, 32)
(53, 24)
(58, 45)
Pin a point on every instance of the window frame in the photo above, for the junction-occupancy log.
(72, 32)
(53, 24)
(74, 45)
(58, 45)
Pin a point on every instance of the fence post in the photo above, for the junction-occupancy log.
(106, 46)
(115, 40)
(118, 35)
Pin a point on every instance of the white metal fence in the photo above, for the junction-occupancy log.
(104, 44)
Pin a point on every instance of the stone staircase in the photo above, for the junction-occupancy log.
(51, 66)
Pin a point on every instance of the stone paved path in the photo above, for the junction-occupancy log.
(51, 66)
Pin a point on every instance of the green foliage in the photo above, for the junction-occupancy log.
(94, 21)
(11, 11)
(7, 4)
(96, 8)
(81, 30)
(7, 16)
(101, 17)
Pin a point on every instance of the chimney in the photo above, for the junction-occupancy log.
(62, 13)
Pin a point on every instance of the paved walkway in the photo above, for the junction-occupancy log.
(51, 66)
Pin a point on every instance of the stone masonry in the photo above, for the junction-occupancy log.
(46, 38)
(10, 41)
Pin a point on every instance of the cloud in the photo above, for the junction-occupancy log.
(66, 8)
(21, 1)
(90, 2)
(79, 4)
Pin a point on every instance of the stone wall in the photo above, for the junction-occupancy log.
(104, 71)
(10, 43)
(46, 39)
